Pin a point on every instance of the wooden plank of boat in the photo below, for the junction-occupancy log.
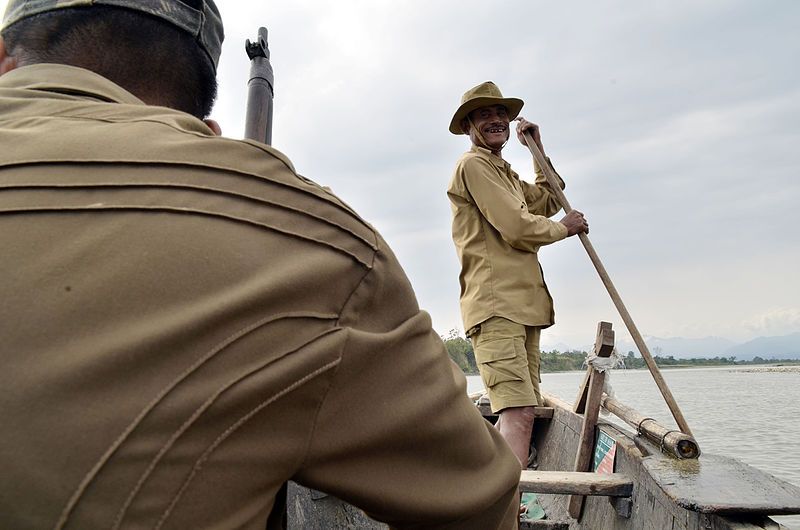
(603, 346)
(538, 412)
(543, 524)
(583, 393)
(576, 483)
(485, 407)
(721, 485)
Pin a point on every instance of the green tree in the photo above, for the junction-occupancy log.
(555, 361)
(460, 350)
(632, 361)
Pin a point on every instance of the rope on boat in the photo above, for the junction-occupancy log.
(605, 364)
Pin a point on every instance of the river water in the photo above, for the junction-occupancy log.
(749, 413)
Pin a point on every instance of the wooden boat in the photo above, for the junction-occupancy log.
(709, 492)
(650, 489)
(649, 477)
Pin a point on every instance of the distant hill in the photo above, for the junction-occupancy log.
(558, 346)
(780, 347)
(680, 347)
(783, 347)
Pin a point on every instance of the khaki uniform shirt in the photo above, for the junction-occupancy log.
(186, 323)
(499, 224)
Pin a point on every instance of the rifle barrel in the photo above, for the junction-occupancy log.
(260, 92)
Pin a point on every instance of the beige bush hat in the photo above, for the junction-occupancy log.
(205, 25)
(482, 95)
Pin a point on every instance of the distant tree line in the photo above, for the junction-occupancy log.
(634, 361)
(460, 350)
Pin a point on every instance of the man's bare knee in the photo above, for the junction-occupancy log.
(528, 413)
(519, 412)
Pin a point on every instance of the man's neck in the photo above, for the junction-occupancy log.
(496, 152)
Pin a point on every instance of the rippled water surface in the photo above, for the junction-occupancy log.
(748, 413)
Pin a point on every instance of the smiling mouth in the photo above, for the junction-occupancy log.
(496, 130)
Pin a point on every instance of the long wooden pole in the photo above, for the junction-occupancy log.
(541, 161)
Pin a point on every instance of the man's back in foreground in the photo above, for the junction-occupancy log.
(187, 324)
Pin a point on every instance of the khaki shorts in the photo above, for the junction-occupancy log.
(508, 354)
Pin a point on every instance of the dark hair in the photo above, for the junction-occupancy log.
(149, 57)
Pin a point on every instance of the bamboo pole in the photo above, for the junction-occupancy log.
(615, 297)
(676, 443)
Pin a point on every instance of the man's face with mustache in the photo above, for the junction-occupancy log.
(492, 122)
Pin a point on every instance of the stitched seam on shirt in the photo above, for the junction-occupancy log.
(90, 476)
(244, 419)
(184, 211)
(338, 324)
(310, 440)
(370, 268)
(188, 423)
(262, 148)
(67, 115)
(341, 355)
(182, 186)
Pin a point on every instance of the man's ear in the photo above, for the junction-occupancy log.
(465, 126)
(214, 126)
(7, 63)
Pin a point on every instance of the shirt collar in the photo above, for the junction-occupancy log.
(70, 80)
(494, 159)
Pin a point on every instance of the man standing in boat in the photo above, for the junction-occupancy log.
(186, 322)
(499, 224)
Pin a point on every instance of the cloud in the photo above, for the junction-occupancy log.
(674, 125)
(780, 321)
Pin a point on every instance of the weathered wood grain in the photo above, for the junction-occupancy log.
(572, 482)
(722, 485)
(603, 347)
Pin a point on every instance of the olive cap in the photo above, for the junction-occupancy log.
(204, 25)
(483, 95)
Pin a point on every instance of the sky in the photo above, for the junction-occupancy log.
(676, 126)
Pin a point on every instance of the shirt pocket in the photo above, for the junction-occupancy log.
(499, 360)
